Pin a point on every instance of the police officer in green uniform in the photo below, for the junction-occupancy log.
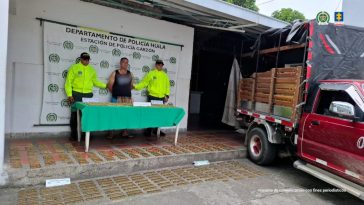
(158, 87)
(81, 78)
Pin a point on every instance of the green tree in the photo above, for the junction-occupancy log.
(249, 4)
(288, 15)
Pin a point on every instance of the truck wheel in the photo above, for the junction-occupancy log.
(260, 150)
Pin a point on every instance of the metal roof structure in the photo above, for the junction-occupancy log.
(214, 14)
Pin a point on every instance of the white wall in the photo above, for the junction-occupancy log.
(353, 12)
(25, 52)
(4, 6)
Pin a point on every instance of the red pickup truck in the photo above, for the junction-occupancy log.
(311, 108)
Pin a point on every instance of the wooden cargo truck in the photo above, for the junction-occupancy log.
(274, 94)
(314, 111)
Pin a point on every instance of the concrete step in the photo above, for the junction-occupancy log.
(26, 177)
(32, 161)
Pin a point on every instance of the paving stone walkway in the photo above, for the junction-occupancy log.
(117, 188)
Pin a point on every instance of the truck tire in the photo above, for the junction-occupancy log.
(260, 150)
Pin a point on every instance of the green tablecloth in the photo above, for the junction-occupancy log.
(108, 117)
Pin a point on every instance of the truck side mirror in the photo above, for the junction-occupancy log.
(343, 109)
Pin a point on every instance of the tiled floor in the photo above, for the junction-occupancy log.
(43, 153)
(119, 187)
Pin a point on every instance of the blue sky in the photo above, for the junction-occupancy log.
(308, 7)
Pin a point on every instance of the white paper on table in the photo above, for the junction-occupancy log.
(156, 102)
(142, 104)
(90, 100)
(57, 182)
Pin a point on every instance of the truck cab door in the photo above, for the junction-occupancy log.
(332, 141)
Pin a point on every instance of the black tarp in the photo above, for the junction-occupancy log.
(294, 33)
(337, 53)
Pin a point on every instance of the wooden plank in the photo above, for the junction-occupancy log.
(282, 48)
(282, 103)
(263, 90)
(283, 98)
(271, 89)
(247, 89)
(262, 100)
(263, 85)
(286, 86)
(246, 98)
(246, 84)
(262, 95)
(253, 89)
(283, 92)
(248, 80)
(264, 74)
(286, 75)
(275, 49)
(286, 81)
(290, 69)
(297, 95)
(263, 80)
(246, 93)
(239, 95)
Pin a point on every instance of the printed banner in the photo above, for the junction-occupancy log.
(63, 45)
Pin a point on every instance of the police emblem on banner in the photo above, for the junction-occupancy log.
(103, 92)
(145, 69)
(53, 88)
(93, 49)
(51, 117)
(172, 83)
(54, 58)
(104, 64)
(65, 103)
(64, 73)
(116, 52)
(155, 57)
(68, 45)
(172, 60)
(323, 18)
(137, 55)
